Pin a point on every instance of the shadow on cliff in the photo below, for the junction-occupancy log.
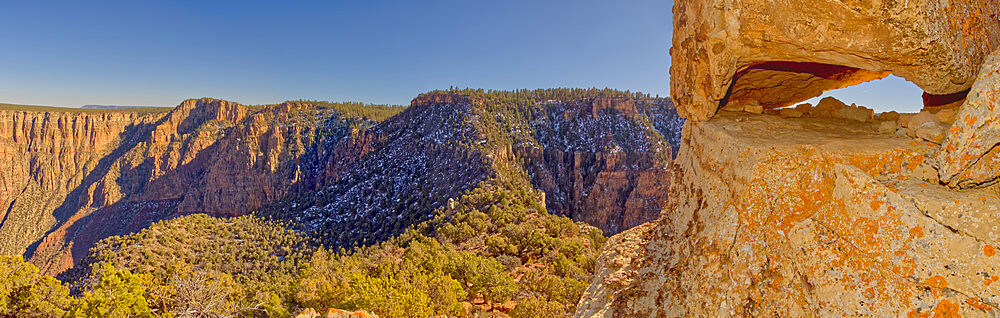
(79, 198)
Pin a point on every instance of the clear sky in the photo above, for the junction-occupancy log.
(254, 52)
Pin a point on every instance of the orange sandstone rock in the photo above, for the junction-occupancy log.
(968, 156)
(780, 52)
(802, 217)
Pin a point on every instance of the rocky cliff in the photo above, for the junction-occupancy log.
(335, 173)
(47, 158)
(598, 159)
(114, 172)
(597, 162)
(831, 210)
(831, 218)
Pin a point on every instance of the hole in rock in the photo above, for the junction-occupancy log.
(891, 93)
(780, 84)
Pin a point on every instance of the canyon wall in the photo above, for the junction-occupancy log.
(91, 174)
(47, 157)
(599, 163)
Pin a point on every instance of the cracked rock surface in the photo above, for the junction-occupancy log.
(969, 156)
(799, 217)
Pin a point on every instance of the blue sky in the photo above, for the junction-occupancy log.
(159, 53)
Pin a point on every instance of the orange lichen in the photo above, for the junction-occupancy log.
(937, 284)
(970, 120)
(989, 280)
(917, 232)
(915, 313)
(946, 308)
(976, 303)
(989, 251)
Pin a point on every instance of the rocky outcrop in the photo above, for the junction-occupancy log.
(335, 313)
(776, 53)
(969, 155)
(804, 217)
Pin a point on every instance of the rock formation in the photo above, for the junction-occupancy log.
(800, 217)
(970, 156)
(46, 158)
(777, 53)
(821, 211)
(90, 174)
(600, 165)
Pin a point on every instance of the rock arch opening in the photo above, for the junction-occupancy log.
(779, 84)
(891, 93)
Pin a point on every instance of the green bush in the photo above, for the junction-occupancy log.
(118, 293)
(24, 292)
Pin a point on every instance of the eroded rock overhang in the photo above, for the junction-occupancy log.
(779, 52)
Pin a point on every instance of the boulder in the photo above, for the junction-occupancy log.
(975, 134)
(926, 126)
(779, 52)
(753, 107)
(889, 116)
(856, 113)
(829, 107)
(946, 115)
(335, 313)
(884, 127)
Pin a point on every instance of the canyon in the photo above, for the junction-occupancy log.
(74, 177)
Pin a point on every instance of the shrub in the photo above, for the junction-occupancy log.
(24, 292)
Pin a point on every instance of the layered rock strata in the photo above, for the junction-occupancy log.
(46, 158)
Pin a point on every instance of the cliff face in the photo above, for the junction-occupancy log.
(595, 159)
(598, 163)
(90, 175)
(47, 157)
(119, 173)
(829, 219)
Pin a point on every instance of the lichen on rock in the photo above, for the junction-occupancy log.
(780, 52)
(802, 217)
(969, 155)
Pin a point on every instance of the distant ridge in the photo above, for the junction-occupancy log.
(116, 107)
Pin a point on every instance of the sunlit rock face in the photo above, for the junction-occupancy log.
(969, 156)
(828, 211)
(803, 217)
(778, 52)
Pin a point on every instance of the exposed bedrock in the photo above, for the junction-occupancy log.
(804, 217)
(970, 156)
(778, 52)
